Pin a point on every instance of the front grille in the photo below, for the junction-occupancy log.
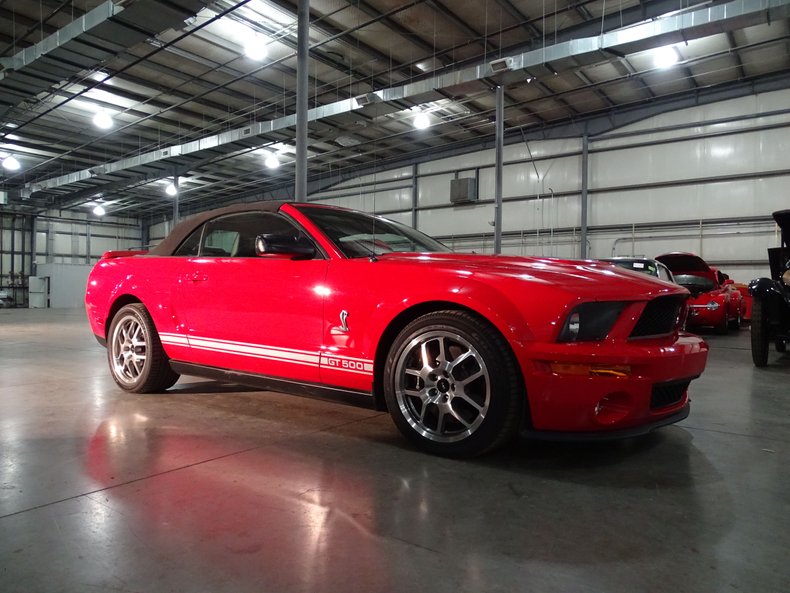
(667, 394)
(661, 316)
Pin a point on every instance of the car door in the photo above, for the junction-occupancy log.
(251, 313)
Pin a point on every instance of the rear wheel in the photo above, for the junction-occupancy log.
(723, 327)
(760, 334)
(452, 385)
(138, 362)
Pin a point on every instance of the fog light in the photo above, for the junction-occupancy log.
(612, 408)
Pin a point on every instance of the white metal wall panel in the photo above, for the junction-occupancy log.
(728, 199)
(66, 284)
(539, 149)
(378, 201)
(434, 190)
(513, 152)
(557, 175)
(763, 103)
(472, 160)
(360, 190)
(458, 220)
(402, 217)
(376, 178)
(64, 243)
(691, 159)
(545, 213)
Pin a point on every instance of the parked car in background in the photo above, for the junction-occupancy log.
(771, 298)
(462, 350)
(747, 300)
(644, 265)
(715, 302)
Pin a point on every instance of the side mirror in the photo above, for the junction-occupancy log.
(298, 247)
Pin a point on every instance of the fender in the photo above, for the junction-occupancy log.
(767, 288)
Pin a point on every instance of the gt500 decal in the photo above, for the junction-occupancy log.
(343, 363)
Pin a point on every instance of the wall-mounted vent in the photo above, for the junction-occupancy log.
(463, 191)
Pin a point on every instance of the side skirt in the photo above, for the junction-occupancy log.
(363, 399)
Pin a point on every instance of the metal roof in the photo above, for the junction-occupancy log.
(186, 98)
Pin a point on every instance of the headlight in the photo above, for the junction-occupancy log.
(590, 322)
(712, 306)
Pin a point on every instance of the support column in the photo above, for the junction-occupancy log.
(175, 201)
(302, 53)
(585, 160)
(500, 138)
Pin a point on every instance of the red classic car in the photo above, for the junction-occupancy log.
(462, 350)
(715, 301)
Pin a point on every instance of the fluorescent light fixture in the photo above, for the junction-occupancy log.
(99, 210)
(255, 49)
(171, 189)
(10, 163)
(100, 76)
(422, 121)
(11, 125)
(272, 162)
(102, 120)
(664, 57)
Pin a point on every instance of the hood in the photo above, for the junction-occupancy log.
(582, 278)
(679, 263)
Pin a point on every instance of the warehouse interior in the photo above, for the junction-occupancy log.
(604, 128)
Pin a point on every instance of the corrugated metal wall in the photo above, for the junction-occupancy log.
(703, 179)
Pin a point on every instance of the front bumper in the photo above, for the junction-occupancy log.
(609, 435)
(703, 316)
(651, 389)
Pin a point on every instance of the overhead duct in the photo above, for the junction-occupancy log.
(660, 31)
(83, 44)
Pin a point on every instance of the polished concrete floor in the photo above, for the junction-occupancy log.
(215, 488)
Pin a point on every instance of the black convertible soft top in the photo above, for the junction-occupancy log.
(184, 228)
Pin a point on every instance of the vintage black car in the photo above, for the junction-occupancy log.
(771, 305)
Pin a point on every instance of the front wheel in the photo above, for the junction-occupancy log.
(138, 362)
(760, 333)
(452, 385)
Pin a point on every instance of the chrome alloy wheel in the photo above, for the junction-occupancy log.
(129, 349)
(442, 386)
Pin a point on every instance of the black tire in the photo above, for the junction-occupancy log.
(760, 333)
(138, 362)
(724, 326)
(467, 398)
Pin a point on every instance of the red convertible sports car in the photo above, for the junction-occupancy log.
(462, 350)
(715, 301)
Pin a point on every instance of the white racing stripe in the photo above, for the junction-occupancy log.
(347, 364)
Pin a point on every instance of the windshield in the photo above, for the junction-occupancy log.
(645, 267)
(357, 234)
(695, 283)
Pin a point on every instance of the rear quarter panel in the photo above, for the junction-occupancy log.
(153, 281)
